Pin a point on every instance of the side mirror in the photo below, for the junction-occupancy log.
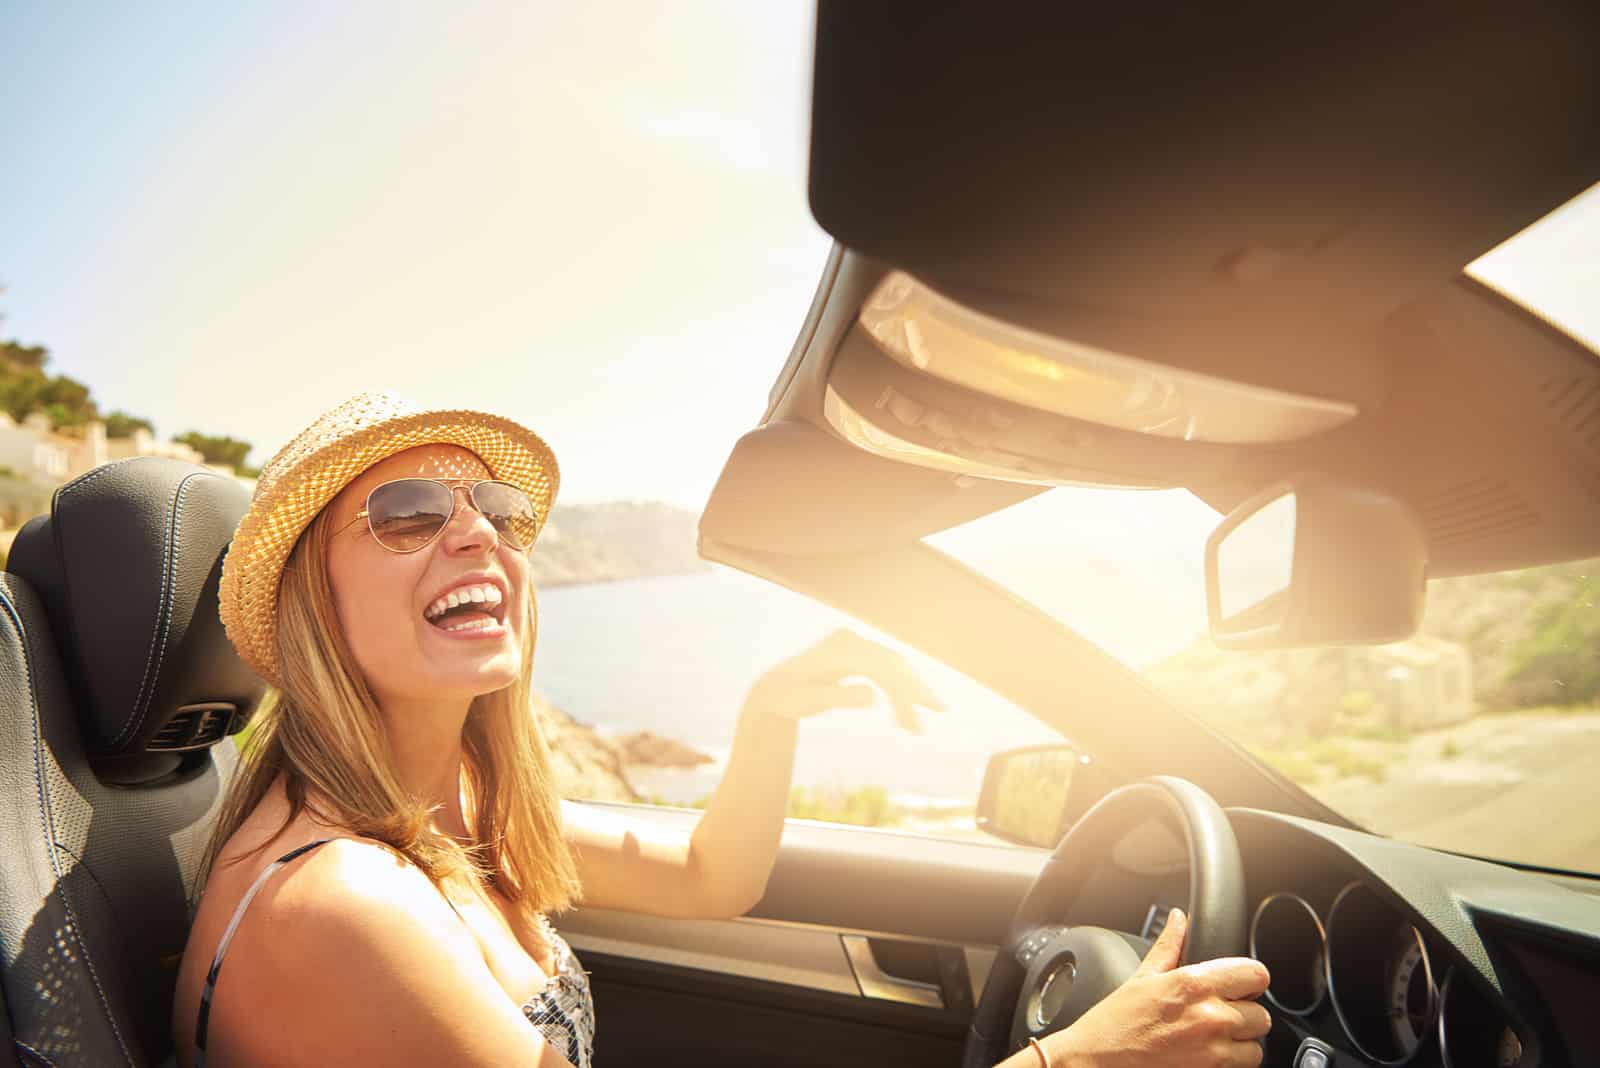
(1033, 796)
(1315, 562)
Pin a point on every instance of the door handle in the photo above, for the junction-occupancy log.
(876, 983)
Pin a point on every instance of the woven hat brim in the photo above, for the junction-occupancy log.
(286, 502)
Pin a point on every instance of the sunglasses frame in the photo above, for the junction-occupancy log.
(451, 485)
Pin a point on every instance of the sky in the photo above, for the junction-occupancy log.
(591, 219)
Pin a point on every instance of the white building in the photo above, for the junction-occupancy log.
(35, 451)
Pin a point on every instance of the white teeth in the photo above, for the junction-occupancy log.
(471, 624)
(488, 595)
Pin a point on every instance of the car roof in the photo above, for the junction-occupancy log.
(1284, 198)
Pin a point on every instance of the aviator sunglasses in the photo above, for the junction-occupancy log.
(407, 514)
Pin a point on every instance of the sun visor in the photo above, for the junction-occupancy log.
(922, 380)
(790, 487)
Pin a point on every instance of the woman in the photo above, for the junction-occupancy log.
(380, 875)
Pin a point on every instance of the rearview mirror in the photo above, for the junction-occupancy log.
(1033, 796)
(1315, 562)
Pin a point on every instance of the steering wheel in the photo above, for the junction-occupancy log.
(1047, 975)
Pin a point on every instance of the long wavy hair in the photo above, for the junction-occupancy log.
(323, 732)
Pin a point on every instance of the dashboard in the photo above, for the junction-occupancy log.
(1357, 968)
(1394, 954)
(1390, 954)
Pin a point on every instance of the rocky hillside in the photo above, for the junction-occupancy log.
(616, 540)
(1531, 638)
(1534, 635)
(591, 766)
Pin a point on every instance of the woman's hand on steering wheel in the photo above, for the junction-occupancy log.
(1196, 1016)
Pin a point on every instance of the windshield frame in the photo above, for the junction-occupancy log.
(871, 585)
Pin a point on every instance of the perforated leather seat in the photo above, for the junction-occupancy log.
(117, 685)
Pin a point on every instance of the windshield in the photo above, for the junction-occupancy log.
(1479, 735)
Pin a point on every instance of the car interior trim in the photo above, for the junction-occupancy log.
(753, 949)
(830, 959)
(874, 982)
(1322, 948)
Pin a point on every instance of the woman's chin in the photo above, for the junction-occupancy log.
(476, 666)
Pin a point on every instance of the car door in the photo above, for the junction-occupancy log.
(869, 948)
(881, 915)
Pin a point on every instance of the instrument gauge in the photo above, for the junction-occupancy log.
(1474, 1031)
(1412, 995)
(1380, 979)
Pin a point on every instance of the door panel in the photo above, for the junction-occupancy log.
(868, 949)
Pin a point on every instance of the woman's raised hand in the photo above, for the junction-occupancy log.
(1197, 1016)
(843, 670)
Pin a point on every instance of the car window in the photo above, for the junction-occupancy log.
(1478, 735)
(652, 673)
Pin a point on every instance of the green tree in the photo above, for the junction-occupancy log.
(1558, 663)
(217, 448)
(19, 357)
(122, 425)
(26, 388)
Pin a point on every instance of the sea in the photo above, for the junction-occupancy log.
(677, 655)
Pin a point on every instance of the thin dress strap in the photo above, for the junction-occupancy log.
(227, 936)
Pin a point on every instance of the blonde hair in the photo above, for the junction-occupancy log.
(324, 733)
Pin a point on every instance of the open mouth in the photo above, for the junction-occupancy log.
(469, 607)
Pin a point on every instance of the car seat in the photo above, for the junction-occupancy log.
(118, 690)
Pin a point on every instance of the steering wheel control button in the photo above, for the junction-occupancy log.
(1313, 1053)
(1034, 944)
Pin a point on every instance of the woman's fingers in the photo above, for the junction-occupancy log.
(1167, 950)
(1230, 978)
(844, 654)
(1254, 1021)
(1242, 1055)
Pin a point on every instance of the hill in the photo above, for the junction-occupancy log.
(1512, 640)
(616, 540)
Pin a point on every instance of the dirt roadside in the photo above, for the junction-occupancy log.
(1523, 787)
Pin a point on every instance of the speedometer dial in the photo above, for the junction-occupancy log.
(1411, 993)
(1379, 976)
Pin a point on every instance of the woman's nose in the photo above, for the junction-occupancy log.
(468, 528)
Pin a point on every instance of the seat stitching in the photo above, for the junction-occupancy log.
(30, 1051)
(85, 479)
(162, 619)
(49, 828)
(158, 640)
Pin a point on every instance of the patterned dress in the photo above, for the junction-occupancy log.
(564, 1010)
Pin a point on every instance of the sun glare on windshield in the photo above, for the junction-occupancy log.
(1553, 268)
(1465, 737)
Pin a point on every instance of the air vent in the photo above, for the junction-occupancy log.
(1477, 509)
(1575, 403)
(193, 727)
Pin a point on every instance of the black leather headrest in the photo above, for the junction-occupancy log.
(127, 565)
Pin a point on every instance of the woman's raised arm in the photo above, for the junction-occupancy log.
(720, 870)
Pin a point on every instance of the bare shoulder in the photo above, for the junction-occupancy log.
(353, 884)
(351, 955)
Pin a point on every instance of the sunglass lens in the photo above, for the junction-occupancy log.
(509, 509)
(407, 514)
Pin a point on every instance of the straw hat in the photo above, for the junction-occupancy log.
(310, 471)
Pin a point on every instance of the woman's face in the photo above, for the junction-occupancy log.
(387, 602)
